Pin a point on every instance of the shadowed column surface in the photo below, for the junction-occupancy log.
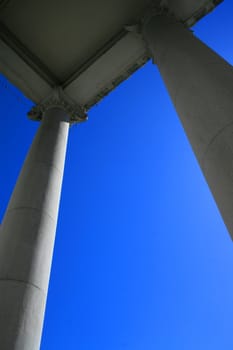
(27, 236)
(200, 84)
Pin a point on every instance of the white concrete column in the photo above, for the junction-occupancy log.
(27, 236)
(200, 84)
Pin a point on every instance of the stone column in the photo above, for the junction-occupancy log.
(200, 84)
(27, 236)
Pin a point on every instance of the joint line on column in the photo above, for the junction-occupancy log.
(32, 208)
(22, 282)
(213, 139)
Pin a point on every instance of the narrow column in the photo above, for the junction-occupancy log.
(27, 236)
(200, 84)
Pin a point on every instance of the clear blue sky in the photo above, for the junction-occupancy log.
(142, 258)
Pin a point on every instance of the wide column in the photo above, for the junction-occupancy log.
(200, 84)
(27, 236)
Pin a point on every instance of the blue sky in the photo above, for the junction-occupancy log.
(142, 258)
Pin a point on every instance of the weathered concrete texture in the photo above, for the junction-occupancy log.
(200, 84)
(27, 236)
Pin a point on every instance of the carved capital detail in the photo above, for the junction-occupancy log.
(156, 9)
(59, 99)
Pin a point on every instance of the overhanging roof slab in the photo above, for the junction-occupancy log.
(22, 75)
(82, 46)
(64, 34)
(108, 71)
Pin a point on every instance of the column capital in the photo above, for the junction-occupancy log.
(154, 10)
(58, 99)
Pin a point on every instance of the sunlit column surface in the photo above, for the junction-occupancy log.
(27, 236)
(200, 84)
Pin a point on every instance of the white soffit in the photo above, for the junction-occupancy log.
(108, 71)
(22, 75)
(100, 67)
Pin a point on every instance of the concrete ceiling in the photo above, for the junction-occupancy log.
(81, 45)
(65, 34)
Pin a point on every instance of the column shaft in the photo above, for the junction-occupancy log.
(27, 236)
(200, 84)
